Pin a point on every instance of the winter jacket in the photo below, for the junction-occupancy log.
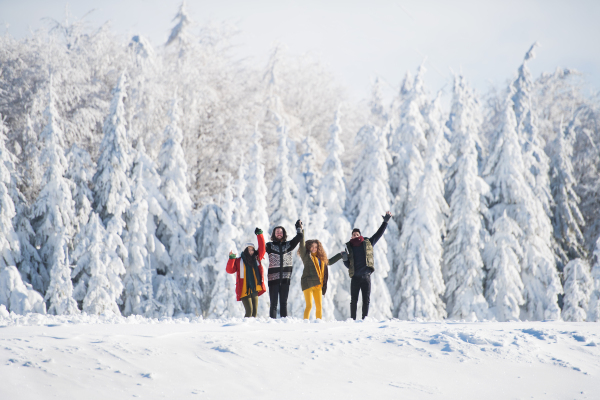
(280, 260)
(361, 261)
(236, 266)
(310, 276)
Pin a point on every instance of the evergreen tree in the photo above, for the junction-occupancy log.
(177, 228)
(462, 263)
(578, 288)
(510, 191)
(207, 241)
(16, 296)
(593, 311)
(255, 192)
(332, 193)
(369, 201)
(503, 257)
(283, 205)
(224, 303)
(80, 172)
(54, 216)
(419, 285)
(567, 220)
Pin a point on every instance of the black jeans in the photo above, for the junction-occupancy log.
(281, 292)
(360, 283)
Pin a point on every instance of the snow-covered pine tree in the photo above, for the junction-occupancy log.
(534, 157)
(54, 215)
(223, 302)
(578, 288)
(16, 296)
(567, 219)
(369, 201)
(462, 266)
(207, 241)
(310, 175)
(177, 228)
(98, 269)
(593, 311)
(506, 174)
(255, 192)
(30, 161)
(112, 189)
(332, 193)
(283, 210)
(239, 217)
(138, 296)
(407, 146)
(503, 257)
(419, 285)
(80, 171)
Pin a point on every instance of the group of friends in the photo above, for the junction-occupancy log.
(357, 256)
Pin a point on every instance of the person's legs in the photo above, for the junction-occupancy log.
(365, 287)
(273, 295)
(318, 295)
(284, 290)
(254, 305)
(247, 302)
(354, 289)
(308, 301)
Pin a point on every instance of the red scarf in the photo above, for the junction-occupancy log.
(357, 241)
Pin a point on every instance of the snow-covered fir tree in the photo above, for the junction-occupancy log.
(462, 263)
(593, 311)
(16, 296)
(578, 288)
(332, 193)
(507, 175)
(255, 192)
(98, 268)
(534, 157)
(177, 228)
(224, 303)
(80, 171)
(283, 210)
(369, 201)
(419, 285)
(503, 258)
(567, 219)
(207, 241)
(239, 218)
(54, 215)
(310, 175)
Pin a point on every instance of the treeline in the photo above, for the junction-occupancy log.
(129, 172)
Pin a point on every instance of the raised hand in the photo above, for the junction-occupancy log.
(387, 216)
(258, 231)
(231, 254)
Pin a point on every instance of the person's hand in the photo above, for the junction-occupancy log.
(344, 255)
(258, 231)
(387, 216)
(298, 224)
(231, 254)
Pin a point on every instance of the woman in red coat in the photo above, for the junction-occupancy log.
(249, 282)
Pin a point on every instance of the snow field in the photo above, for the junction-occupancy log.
(98, 357)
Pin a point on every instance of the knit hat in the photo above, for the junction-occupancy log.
(248, 244)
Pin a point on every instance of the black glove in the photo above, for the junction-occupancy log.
(386, 217)
(258, 231)
(298, 224)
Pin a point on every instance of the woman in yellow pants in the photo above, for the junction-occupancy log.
(315, 273)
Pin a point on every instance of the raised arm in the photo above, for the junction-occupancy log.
(261, 243)
(231, 268)
(375, 238)
(302, 244)
(299, 236)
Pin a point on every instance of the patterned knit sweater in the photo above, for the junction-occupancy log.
(280, 260)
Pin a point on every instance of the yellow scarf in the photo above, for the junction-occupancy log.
(320, 269)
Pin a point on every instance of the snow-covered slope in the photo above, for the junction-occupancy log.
(89, 357)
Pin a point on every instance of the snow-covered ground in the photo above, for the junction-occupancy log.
(90, 357)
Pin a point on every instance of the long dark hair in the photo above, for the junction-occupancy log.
(283, 239)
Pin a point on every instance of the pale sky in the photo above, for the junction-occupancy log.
(359, 40)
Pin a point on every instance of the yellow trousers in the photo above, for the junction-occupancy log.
(309, 293)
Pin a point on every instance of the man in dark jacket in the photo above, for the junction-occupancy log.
(280, 267)
(358, 258)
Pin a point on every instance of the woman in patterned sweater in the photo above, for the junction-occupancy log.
(280, 267)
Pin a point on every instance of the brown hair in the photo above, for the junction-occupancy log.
(321, 254)
(274, 238)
